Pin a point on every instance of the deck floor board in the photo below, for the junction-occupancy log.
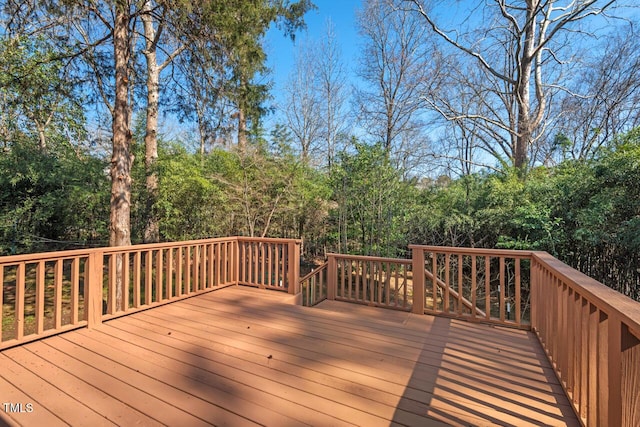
(242, 356)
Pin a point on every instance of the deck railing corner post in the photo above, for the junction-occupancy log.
(294, 266)
(93, 284)
(417, 267)
(534, 286)
(614, 368)
(332, 277)
(235, 257)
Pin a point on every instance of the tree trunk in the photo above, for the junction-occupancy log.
(242, 130)
(242, 115)
(523, 92)
(42, 138)
(152, 230)
(122, 159)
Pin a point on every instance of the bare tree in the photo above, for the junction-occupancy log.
(466, 90)
(602, 102)
(331, 80)
(302, 109)
(394, 67)
(520, 47)
(316, 97)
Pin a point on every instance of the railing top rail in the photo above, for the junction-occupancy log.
(609, 300)
(44, 256)
(315, 271)
(146, 246)
(513, 253)
(266, 239)
(371, 258)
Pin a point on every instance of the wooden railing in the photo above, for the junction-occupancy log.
(375, 281)
(591, 335)
(269, 263)
(486, 285)
(49, 293)
(314, 286)
(139, 277)
(43, 294)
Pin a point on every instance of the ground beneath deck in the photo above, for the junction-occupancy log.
(241, 356)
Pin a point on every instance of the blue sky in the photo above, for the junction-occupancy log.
(281, 50)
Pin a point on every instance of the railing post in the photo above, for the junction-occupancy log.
(614, 359)
(332, 277)
(293, 266)
(534, 284)
(93, 288)
(235, 261)
(417, 266)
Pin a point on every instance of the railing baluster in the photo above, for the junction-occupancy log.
(286, 258)
(194, 268)
(584, 357)
(126, 281)
(148, 276)
(447, 281)
(387, 286)
(517, 302)
(474, 285)
(603, 369)
(169, 274)
(263, 265)
(136, 279)
(186, 270)
(278, 260)
(215, 263)
(111, 284)
(351, 293)
(211, 278)
(405, 287)
(19, 303)
(487, 286)
(75, 291)
(255, 277)
(502, 273)
(203, 268)
(40, 287)
(179, 262)
(159, 270)
(270, 265)
(243, 263)
(369, 275)
(460, 287)
(434, 281)
(572, 344)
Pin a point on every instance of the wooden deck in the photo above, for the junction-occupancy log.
(241, 356)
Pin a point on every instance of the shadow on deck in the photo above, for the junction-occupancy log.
(241, 356)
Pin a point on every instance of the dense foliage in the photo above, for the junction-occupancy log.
(71, 128)
(586, 212)
(51, 200)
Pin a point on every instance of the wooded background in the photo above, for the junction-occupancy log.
(514, 126)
